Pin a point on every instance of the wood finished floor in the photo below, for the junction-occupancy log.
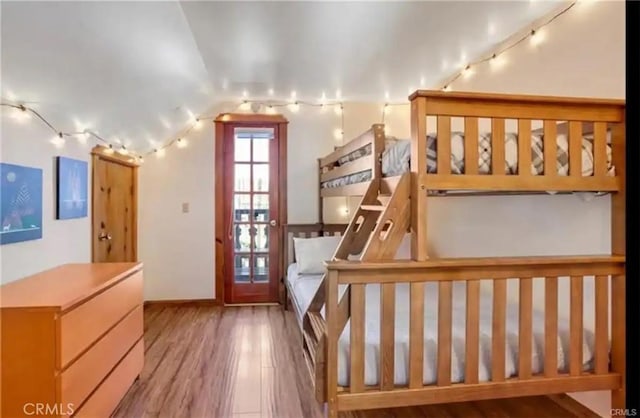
(246, 362)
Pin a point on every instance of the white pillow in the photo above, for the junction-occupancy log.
(311, 253)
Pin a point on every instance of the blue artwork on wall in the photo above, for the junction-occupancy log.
(72, 188)
(21, 206)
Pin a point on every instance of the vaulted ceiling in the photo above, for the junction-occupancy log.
(134, 70)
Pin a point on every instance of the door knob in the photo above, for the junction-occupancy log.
(273, 222)
(104, 237)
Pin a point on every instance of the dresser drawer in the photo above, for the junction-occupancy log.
(83, 325)
(107, 396)
(87, 372)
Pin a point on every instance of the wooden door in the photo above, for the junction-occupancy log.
(251, 211)
(114, 210)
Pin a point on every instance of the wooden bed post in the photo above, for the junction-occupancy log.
(618, 247)
(320, 202)
(331, 311)
(418, 169)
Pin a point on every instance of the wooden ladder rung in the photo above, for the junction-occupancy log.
(373, 208)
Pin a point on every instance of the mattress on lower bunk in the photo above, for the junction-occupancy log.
(397, 155)
(305, 287)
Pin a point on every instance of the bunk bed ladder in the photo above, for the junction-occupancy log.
(374, 233)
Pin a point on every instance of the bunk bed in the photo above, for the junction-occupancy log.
(382, 332)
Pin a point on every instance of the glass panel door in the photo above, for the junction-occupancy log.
(251, 215)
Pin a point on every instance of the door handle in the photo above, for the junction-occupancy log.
(273, 222)
(104, 237)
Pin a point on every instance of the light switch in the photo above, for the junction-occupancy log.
(185, 208)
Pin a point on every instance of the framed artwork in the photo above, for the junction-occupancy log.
(21, 207)
(72, 188)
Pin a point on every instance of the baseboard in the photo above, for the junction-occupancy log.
(183, 302)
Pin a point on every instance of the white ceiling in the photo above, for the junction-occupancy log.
(133, 70)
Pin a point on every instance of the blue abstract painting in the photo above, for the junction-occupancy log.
(72, 188)
(21, 207)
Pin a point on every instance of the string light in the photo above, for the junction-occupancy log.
(535, 36)
(294, 107)
(338, 134)
(496, 59)
(58, 140)
(123, 150)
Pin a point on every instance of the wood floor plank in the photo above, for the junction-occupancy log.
(203, 362)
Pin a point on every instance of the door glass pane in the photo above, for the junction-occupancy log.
(242, 178)
(261, 149)
(261, 268)
(242, 149)
(261, 177)
(261, 238)
(242, 268)
(242, 237)
(241, 207)
(261, 207)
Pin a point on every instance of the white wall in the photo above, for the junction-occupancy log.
(63, 241)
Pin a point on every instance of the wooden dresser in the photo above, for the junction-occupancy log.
(71, 340)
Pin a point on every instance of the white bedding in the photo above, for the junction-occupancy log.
(304, 288)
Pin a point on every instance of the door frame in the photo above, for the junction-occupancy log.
(103, 153)
(255, 121)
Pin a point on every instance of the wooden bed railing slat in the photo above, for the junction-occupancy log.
(444, 333)
(525, 328)
(497, 146)
(443, 145)
(387, 335)
(471, 145)
(472, 332)
(575, 149)
(356, 375)
(416, 335)
(600, 149)
(524, 147)
(550, 148)
(551, 326)
(498, 337)
(602, 324)
(576, 326)
(356, 166)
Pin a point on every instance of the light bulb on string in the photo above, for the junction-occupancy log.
(467, 71)
(159, 152)
(140, 159)
(338, 134)
(293, 95)
(338, 108)
(58, 140)
(181, 142)
(386, 95)
(447, 87)
(197, 124)
(21, 114)
(497, 61)
(245, 105)
(123, 150)
(386, 108)
(294, 107)
(536, 37)
(271, 110)
(108, 149)
(338, 94)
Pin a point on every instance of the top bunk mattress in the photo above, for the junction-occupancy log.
(396, 157)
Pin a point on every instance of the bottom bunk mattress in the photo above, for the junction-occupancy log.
(303, 288)
(397, 156)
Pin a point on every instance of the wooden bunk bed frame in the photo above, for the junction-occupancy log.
(376, 227)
